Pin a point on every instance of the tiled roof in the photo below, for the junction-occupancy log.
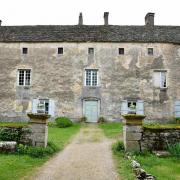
(90, 33)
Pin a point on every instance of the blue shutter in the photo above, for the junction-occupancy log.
(140, 107)
(177, 108)
(124, 107)
(34, 105)
(51, 107)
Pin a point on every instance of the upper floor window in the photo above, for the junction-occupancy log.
(160, 79)
(24, 77)
(91, 51)
(24, 50)
(150, 51)
(60, 50)
(91, 77)
(121, 51)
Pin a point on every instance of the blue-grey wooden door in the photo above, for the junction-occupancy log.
(91, 111)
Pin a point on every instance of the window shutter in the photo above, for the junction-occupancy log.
(34, 105)
(156, 79)
(51, 107)
(177, 108)
(124, 107)
(140, 107)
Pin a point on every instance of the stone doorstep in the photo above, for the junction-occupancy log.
(8, 145)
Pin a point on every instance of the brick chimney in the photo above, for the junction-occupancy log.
(149, 19)
(80, 19)
(106, 14)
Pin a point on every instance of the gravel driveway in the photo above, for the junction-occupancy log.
(88, 157)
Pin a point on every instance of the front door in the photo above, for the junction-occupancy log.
(91, 110)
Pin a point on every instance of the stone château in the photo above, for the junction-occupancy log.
(90, 70)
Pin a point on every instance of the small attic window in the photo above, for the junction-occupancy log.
(150, 51)
(60, 50)
(24, 50)
(121, 51)
(91, 51)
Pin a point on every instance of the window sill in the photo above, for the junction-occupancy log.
(24, 87)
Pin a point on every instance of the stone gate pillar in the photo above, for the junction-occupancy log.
(38, 124)
(132, 131)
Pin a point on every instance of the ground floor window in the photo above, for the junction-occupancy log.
(177, 109)
(132, 106)
(43, 106)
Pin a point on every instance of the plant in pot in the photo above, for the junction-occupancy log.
(132, 109)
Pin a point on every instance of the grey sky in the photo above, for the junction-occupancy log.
(61, 12)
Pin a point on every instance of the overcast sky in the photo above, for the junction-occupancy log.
(66, 12)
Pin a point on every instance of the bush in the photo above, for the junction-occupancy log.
(83, 119)
(63, 122)
(101, 120)
(118, 146)
(174, 149)
(37, 152)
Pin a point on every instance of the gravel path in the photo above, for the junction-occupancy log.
(88, 157)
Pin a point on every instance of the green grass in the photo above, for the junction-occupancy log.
(112, 130)
(18, 166)
(123, 165)
(161, 168)
(10, 124)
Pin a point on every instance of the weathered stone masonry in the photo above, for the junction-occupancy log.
(61, 77)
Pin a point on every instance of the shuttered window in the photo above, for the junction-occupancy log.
(44, 106)
(138, 107)
(177, 108)
(160, 79)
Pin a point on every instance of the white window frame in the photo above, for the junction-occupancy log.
(160, 78)
(91, 78)
(24, 81)
(43, 102)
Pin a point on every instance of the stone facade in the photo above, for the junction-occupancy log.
(61, 77)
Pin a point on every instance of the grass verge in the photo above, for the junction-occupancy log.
(112, 130)
(19, 166)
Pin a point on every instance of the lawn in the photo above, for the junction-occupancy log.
(161, 168)
(112, 130)
(18, 166)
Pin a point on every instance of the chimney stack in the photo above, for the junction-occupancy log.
(80, 19)
(106, 14)
(149, 19)
(0, 22)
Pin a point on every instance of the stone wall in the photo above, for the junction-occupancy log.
(158, 139)
(61, 78)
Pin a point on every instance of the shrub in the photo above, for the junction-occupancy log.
(101, 120)
(83, 119)
(118, 146)
(174, 149)
(63, 122)
(37, 152)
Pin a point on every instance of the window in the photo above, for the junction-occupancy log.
(132, 106)
(24, 77)
(60, 50)
(91, 51)
(43, 106)
(160, 79)
(91, 77)
(150, 51)
(177, 109)
(24, 50)
(121, 51)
